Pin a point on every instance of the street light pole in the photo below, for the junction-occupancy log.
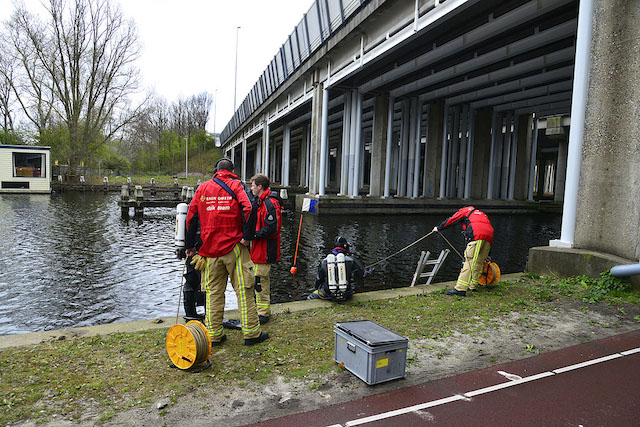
(235, 81)
(186, 158)
(215, 103)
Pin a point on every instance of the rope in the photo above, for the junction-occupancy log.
(201, 342)
(456, 251)
(401, 250)
(180, 293)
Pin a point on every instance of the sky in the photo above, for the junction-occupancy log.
(189, 46)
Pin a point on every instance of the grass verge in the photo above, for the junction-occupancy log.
(107, 374)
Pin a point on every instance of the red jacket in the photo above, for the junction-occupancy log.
(475, 223)
(223, 219)
(265, 249)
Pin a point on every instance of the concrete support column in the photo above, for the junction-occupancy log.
(346, 133)
(462, 159)
(324, 142)
(265, 138)
(308, 152)
(316, 135)
(357, 145)
(561, 171)
(413, 108)
(579, 103)
(259, 156)
(244, 159)
(389, 147)
(495, 131)
(469, 161)
(404, 149)
(418, 144)
(480, 153)
(445, 154)
(506, 157)
(532, 158)
(379, 146)
(513, 157)
(521, 175)
(608, 210)
(454, 150)
(352, 142)
(286, 156)
(433, 150)
(302, 158)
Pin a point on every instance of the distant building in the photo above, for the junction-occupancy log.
(25, 169)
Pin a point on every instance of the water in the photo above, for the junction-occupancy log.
(70, 260)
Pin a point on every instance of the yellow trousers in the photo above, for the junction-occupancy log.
(238, 266)
(263, 298)
(474, 255)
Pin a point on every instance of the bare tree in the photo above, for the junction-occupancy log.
(81, 62)
(6, 99)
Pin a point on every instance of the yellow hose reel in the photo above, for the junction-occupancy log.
(490, 274)
(188, 344)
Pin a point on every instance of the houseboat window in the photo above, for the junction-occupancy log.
(28, 164)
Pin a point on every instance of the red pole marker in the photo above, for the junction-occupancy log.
(294, 269)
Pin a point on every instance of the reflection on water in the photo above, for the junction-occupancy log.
(70, 260)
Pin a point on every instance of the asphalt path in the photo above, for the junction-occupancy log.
(591, 384)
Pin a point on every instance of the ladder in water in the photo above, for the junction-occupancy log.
(424, 261)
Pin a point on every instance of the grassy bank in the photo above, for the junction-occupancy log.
(111, 373)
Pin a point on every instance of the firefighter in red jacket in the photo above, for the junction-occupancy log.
(265, 248)
(478, 233)
(227, 221)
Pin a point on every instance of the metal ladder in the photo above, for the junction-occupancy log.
(424, 261)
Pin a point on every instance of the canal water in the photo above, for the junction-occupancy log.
(70, 260)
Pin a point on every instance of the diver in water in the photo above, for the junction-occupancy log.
(338, 274)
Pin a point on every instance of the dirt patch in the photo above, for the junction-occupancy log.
(514, 337)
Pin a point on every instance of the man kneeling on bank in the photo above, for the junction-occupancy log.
(338, 274)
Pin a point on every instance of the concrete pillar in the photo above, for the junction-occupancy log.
(265, 138)
(495, 131)
(481, 153)
(513, 157)
(413, 108)
(316, 135)
(286, 156)
(607, 37)
(244, 159)
(454, 151)
(417, 150)
(324, 143)
(608, 211)
(533, 155)
(404, 148)
(389, 148)
(352, 142)
(259, 156)
(379, 146)
(346, 133)
(561, 171)
(308, 151)
(445, 154)
(302, 157)
(357, 145)
(462, 158)
(469, 159)
(521, 176)
(506, 157)
(433, 150)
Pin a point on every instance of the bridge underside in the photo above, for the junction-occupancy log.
(451, 99)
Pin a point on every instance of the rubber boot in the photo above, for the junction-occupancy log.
(190, 312)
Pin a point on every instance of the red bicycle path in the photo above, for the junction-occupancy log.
(552, 391)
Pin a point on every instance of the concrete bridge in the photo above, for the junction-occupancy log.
(458, 99)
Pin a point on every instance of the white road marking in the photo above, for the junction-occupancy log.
(515, 380)
(509, 376)
(587, 363)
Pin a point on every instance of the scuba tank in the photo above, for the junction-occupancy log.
(181, 224)
(342, 273)
(331, 273)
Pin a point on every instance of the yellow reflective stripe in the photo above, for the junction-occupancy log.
(475, 258)
(263, 304)
(207, 288)
(243, 295)
(218, 332)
